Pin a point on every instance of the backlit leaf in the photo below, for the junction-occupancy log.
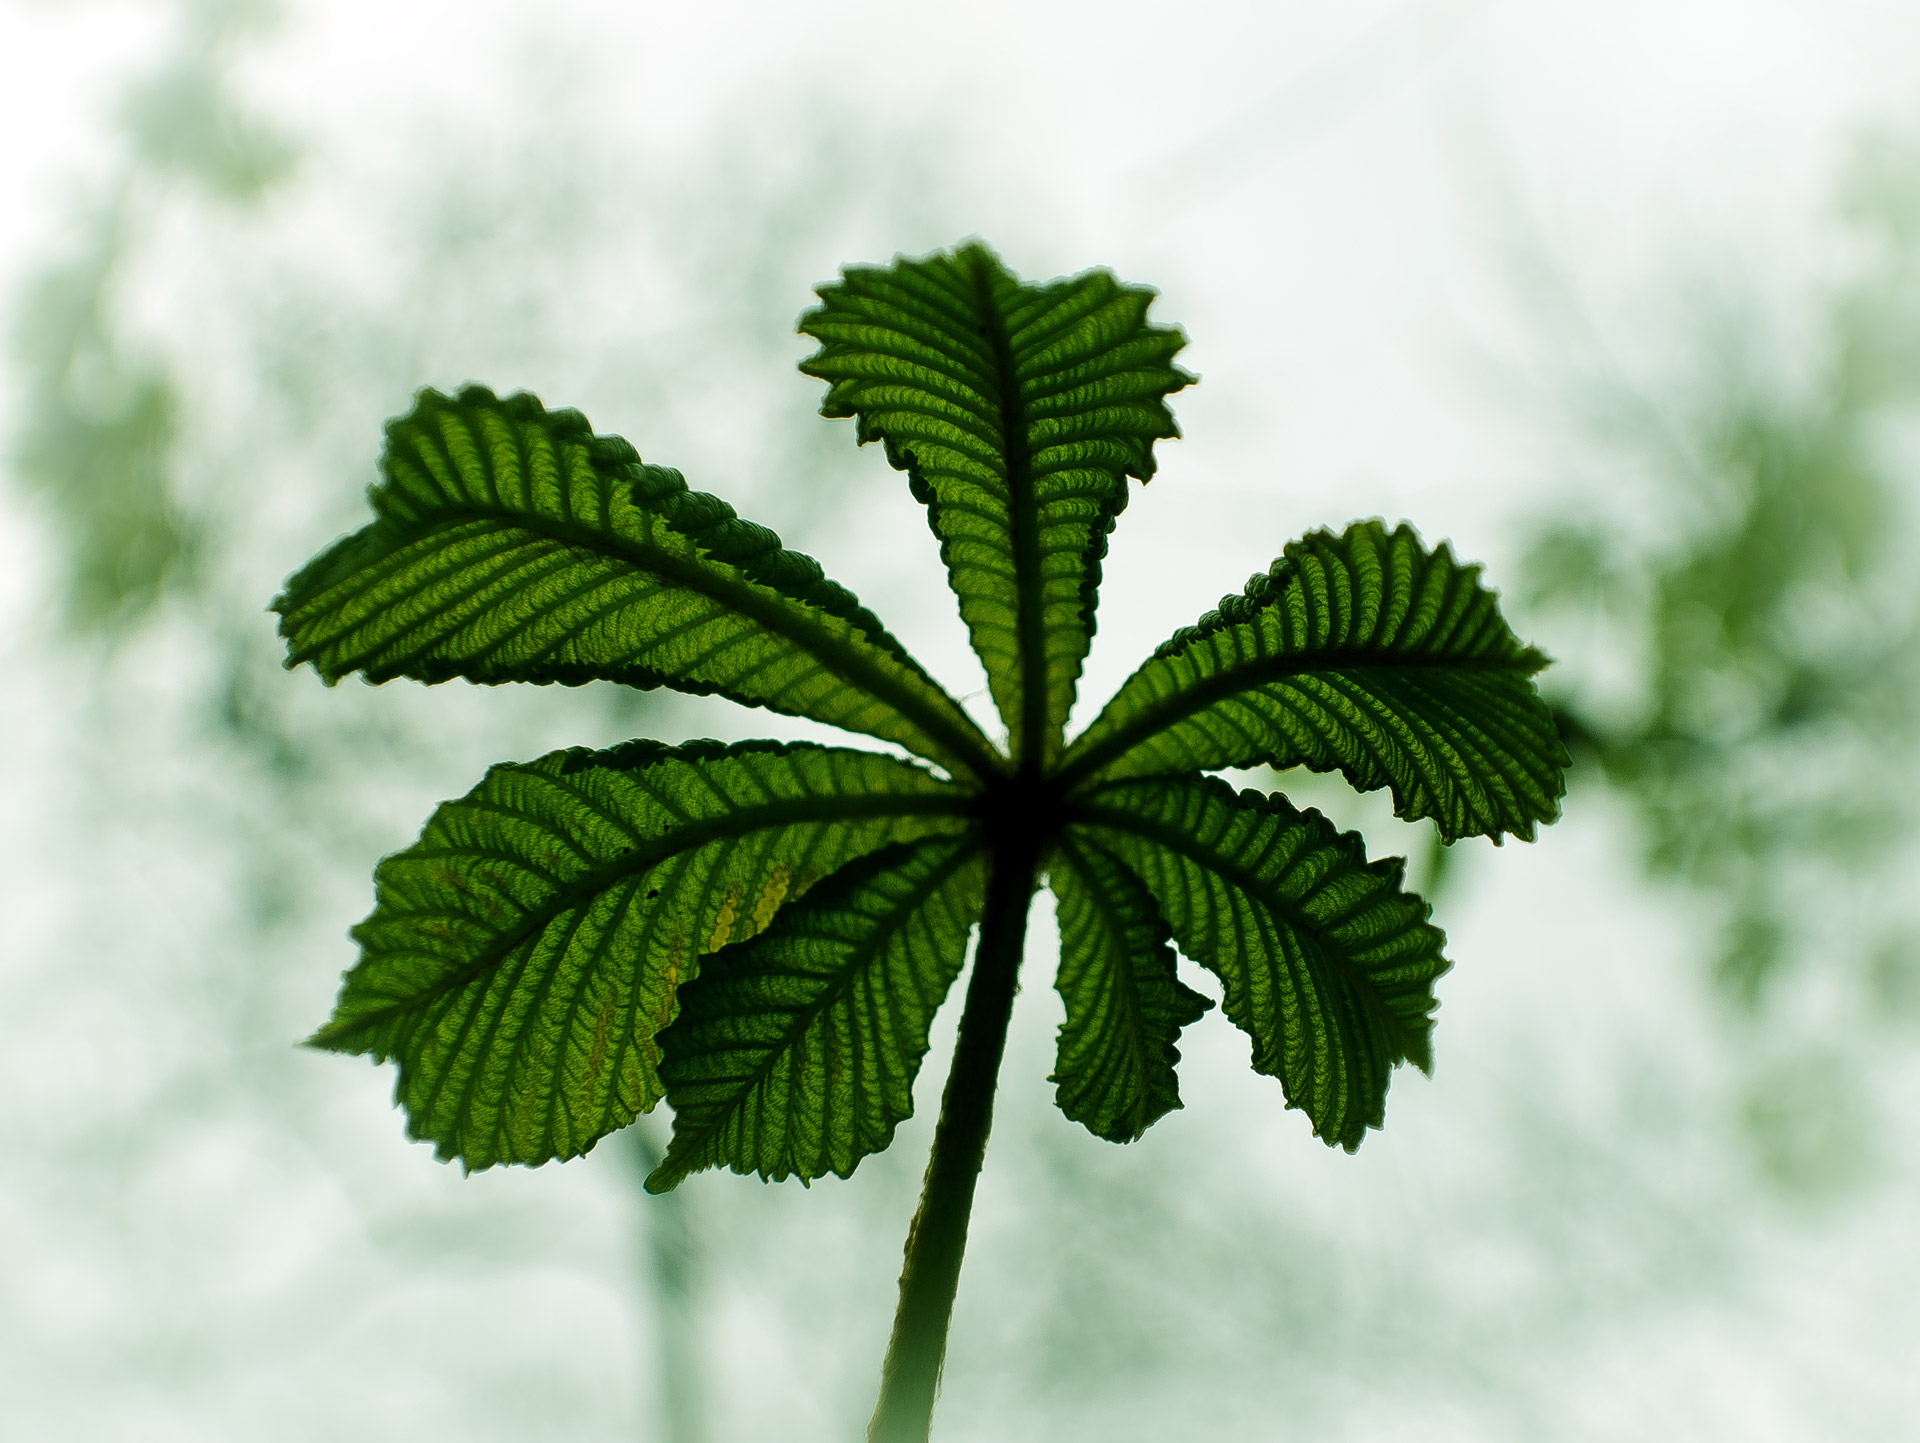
(1017, 411)
(1365, 653)
(1125, 1007)
(524, 954)
(795, 1053)
(1325, 963)
(513, 544)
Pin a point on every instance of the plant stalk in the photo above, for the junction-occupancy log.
(938, 1238)
(670, 1284)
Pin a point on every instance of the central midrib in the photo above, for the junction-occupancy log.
(970, 750)
(1124, 981)
(1022, 524)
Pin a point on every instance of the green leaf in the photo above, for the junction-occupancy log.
(1365, 653)
(795, 1053)
(512, 544)
(524, 954)
(1325, 963)
(1017, 412)
(1125, 1007)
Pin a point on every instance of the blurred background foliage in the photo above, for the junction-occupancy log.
(1736, 582)
(1685, 1223)
(97, 443)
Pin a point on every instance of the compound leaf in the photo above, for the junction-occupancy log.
(1125, 1007)
(795, 1053)
(513, 544)
(524, 954)
(1365, 653)
(1017, 412)
(1325, 963)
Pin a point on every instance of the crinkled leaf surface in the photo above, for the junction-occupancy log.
(513, 544)
(1125, 1007)
(1017, 411)
(795, 1053)
(534, 963)
(1325, 963)
(524, 954)
(1362, 652)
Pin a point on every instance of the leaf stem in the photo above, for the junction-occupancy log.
(938, 1238)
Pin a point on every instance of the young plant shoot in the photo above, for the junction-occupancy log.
(761, 933)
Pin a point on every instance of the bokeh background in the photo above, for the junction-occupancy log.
(1624, 300)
